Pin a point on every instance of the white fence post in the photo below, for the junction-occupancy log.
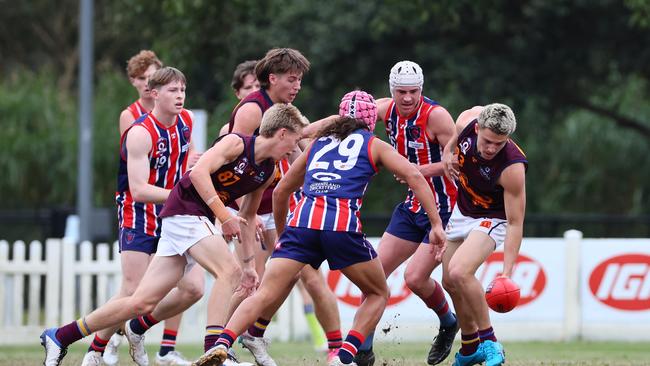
(4, 263)
(67, 281)
(34, 297)
(573, 316)
(52, 281)
(19, 282)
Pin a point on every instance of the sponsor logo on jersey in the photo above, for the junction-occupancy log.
(623, 282)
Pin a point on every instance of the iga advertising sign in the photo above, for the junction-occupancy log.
(539, 272)
(615, 280)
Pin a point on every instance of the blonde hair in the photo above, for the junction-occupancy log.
(165, 76)
(139, 63)
(282, 116)
(499, 118)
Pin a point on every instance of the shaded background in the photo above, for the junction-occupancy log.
(575, 72)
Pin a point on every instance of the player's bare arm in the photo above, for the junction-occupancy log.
(138, 146)
(398, 165)
(513, 181)
(288, 184)
(126, 120)
(316, 126)
(382, 107)
(225, 151)
(247, 119)
(449, 157)
(440, 127)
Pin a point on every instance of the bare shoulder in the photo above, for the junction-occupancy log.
(513, 177)
(465, 117)
(248, 118)
(441, 117)
(138, 139)
(126, 119)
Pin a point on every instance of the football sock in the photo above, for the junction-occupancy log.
(258, 328)
(367, 345)
(227, 338)
(168, 342)
(72, 332)
(334, 339)
(212, 333)
(487, 335)
(469, 343)
(98, 345)
(438, 303)
(140, 324)
(349, 348)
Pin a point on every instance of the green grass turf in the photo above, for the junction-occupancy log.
(389, 354)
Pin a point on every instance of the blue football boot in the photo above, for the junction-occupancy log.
(494, 353)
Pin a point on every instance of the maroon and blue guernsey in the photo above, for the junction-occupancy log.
(262, 99)
(336, 178)
(479, 195)
(231, 181)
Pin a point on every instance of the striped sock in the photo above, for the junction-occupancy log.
(469, 343)
(227, 338)
(72, 332)
(168, 342)
(487, 335)
(349, 348)
(258, 328)
(334, 339)
(212, 333)
(98, 345)
(367, 344)
(438, 303)
(140, 324)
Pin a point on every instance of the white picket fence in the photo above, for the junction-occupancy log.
(74, 281)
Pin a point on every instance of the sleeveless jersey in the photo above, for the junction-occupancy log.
(408, 135)
(336, 178)
(479, 194)
(262, 99)
(137, 109)
(231, 181)
(283, 167)
(167, 164)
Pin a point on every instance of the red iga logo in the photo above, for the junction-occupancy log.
(528, 274)
(347, 292)
(623, 282)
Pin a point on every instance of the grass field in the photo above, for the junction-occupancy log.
(404, 354)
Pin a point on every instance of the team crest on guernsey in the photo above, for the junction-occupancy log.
(186, 133)
(239, 169)
(413, 132)
(161, 146)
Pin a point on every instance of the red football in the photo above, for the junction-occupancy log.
(502, 295)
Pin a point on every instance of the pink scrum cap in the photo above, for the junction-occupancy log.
(360, 105)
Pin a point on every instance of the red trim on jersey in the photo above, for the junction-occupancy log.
(318, 213)
(372, 161)
(343, 215)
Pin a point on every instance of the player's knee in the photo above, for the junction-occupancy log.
(456, 277)
(415, 281)
(142, 305)
(193, 290)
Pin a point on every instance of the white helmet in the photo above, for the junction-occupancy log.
(405, 73)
